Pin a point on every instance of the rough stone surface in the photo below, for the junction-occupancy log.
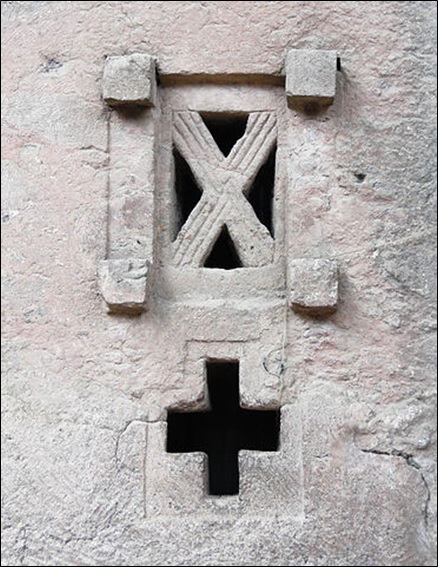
(311, 76)
(123, 285)
(84, 394)
(130, 80)
(313, 286)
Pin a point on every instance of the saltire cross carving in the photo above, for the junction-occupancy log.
(224, 182)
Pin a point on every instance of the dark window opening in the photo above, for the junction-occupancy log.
(226, 129)
(261, 194)
(224, 255)
(225, 430)
(188, 193)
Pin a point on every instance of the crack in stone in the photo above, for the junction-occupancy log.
(24, 547)
(120, 434)
(410, 461)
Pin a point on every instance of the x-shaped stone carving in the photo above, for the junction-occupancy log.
(224, 181)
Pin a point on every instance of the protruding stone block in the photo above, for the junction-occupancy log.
(311, 76)
(130, 80)
(313, 286)
(123, 284)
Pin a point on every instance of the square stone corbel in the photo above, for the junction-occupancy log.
(124, 285)
(311, 77)
(313, 286)
(130, 80)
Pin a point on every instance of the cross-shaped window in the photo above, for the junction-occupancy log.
(225, 430)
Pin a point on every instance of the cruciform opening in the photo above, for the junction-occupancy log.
(225, 430)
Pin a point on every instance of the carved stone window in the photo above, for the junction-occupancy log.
(228, 159)
(198, 190)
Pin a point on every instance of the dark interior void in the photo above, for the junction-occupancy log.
(261, 194)
(188, 193)
(226, 129)
(225, 430)
(224, 255)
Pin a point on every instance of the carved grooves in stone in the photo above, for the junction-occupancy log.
(187, 191)
(224, 255)
(225, 182)
(225, 430)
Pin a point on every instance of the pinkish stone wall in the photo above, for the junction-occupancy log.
(85, 479)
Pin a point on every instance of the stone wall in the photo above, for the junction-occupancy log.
(86, 479)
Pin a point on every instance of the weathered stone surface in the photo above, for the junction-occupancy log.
(130, 80)
(123, 284)
(311, 76)
(313, 286)
(183, 254)
(80, 389)
(132, 183)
